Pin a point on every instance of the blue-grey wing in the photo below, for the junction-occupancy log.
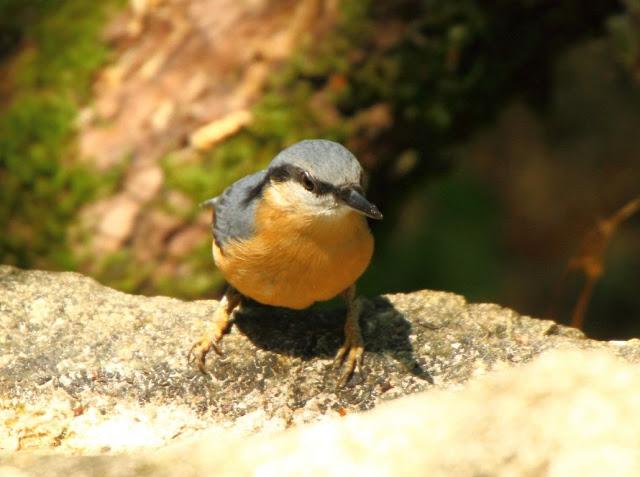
(235, 209)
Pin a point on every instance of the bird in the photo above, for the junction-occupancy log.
(291, 235)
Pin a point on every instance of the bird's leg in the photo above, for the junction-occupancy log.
(218, 327)
(351, 353)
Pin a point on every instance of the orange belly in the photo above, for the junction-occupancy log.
(296, 263)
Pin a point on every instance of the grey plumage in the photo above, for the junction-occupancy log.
(234, 214)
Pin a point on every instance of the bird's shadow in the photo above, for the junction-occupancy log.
(317, 333)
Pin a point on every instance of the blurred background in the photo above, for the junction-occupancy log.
(502, 139)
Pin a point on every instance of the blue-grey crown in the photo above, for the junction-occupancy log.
(327, 161)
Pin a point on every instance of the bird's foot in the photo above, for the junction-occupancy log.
(198, 352)
(350, 356)
(219, 326)
(351, 353)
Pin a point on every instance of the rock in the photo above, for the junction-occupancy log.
(89, 370)
(554, 416)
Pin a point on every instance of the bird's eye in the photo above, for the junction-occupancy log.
(307, 181)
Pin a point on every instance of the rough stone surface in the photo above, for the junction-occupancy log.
(88, 370)
(567, 413)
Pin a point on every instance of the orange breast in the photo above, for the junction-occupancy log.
(295, 262)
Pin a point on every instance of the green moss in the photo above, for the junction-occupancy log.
(120, 270)
(41, 186)
(624, 33)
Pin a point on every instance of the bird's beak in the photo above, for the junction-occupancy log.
(353, 197)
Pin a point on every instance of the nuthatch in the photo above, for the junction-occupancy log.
(291, 235)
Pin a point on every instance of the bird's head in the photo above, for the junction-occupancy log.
(319, 178)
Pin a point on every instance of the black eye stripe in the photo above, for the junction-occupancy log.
(323, 188)
(287, 172)
(280, 173)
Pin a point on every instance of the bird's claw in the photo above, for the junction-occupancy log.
(351, 356)
(198, 352)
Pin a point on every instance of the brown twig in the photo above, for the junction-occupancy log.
(590, 258)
